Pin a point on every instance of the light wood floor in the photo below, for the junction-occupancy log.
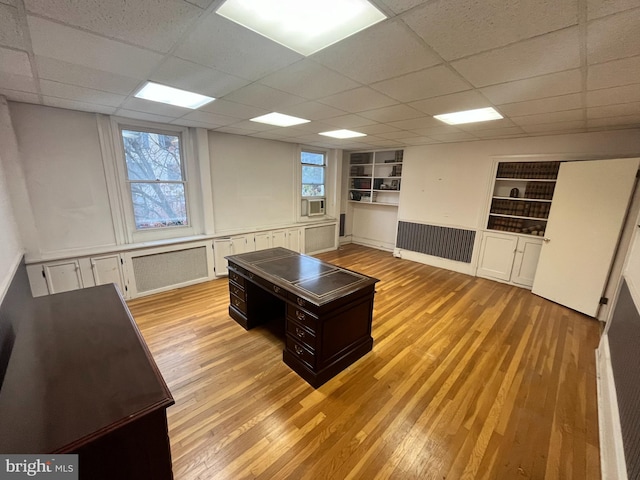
(468, 378)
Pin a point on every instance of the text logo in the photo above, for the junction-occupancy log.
(49, 467)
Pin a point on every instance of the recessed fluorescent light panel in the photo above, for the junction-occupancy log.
(279, 119)
(343, 134)
(305, 26)
(173, 96)
(469, 116)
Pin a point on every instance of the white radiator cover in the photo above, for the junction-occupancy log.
(320, 239)
(161, 269)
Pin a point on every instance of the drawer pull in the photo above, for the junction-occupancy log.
(300, 301)
(236, 290)
(299, 332)
(298, 349)
(276, 289)
(251, 275)
(236, 302)
(234, 276)
(300, 315)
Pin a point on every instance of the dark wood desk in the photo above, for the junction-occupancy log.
(327, 310)
(80, 379)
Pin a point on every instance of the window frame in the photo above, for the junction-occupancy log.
(187, 157)
(324, 172)
(329, 184)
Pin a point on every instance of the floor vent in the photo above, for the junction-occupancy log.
(160, 270)
(444, 242)
(320, 238)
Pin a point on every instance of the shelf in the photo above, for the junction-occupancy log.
(514, 233)
(522, 199)
(508, 179)
(503, 215)
(386, 204)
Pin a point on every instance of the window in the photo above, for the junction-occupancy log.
(313, 174)
(155, 175)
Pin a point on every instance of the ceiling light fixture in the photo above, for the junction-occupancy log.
(279, 119)
(305, 26)
(469, 116)
(173, 96)
(343, 134)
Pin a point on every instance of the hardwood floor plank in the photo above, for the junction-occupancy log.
(468, 378)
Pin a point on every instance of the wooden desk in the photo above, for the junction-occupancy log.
(80, 379)
(327, 310)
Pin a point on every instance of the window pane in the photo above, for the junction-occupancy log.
(159, 204)
(152, 156)
(313, 175)
(309, 190)
(312, 158)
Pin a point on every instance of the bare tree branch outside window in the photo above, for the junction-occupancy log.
(156, 179)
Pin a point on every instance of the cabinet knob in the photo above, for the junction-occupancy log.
(546, 240)
(300, 315)
(299, 332)
(298, 349)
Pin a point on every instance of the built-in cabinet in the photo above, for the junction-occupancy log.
(375, 177)
(510, 258)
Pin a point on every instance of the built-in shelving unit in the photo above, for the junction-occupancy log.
(375, 177)
(522, 196)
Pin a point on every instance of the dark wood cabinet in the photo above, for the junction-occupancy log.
(80, 379)
(327, 310)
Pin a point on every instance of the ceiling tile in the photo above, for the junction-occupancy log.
(550, 104)
(190, 76)
(74, 105)
(551, 85)
(398, 135)
(202, 3)
(498, 132)
(81, 94)
(600, 8)
(252, 126)
(348, 121)
(545, 118)
(221, 44)
(613, 74)
(17, 82)
(192, 123)
(234, 130)
(377, 129)
(399, 6)
(308, 79)
(444, 129)
(358, 100)
(17, 96)
(488, 125)
(233, 109)
(626, 121)
(15, 63)
(453, 137)
(392, 114)
(147, 106)
(552, 52)
(455, 102)
(210, 118)
(458, 28)
(420, 141)
(383, 51)
(417, 123)
(431, 82)
(613, 37)
(263, 97)
(11, 34)
(162, 27)
(609, 96)
(54, 41)
(312, 111)
(620, 110)
(64, 72)
(558, 127)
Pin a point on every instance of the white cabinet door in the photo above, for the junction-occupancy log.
(243, 244)
(497, 253)
(63, 276)
(279, 239)
(294, 239)
(106, 269)
(526, 261)
(221, 248)
(263, 240)
(590, 203)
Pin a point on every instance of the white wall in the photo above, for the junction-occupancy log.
(10, 244)
(253, 182)
(62, 162)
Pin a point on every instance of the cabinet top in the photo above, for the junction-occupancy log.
(79, 369)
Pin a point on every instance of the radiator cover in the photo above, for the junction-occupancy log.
(444, 242)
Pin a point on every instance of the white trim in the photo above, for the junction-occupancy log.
(6, 282)
(461, 267)
(612, 461)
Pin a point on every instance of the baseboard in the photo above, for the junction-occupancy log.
(368, 242)
(612, 461)
(459, 267)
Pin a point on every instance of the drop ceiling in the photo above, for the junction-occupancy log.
(548, 66)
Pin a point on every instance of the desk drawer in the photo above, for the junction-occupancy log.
(237, 290)
(301, 302)
(239, 304)
(300, 352)
(301, 334)
(271, 288)
(302, 317)
(236, 277)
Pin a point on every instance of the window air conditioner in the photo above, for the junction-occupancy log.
(316, 207)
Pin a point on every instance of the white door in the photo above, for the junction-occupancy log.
(242, 244)
(279, 238)
(525, 262)
(496, 255)
(294, 239)
(589, 206)
(106, 269)
(221, 248)
(63, 276)
(263, 240)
